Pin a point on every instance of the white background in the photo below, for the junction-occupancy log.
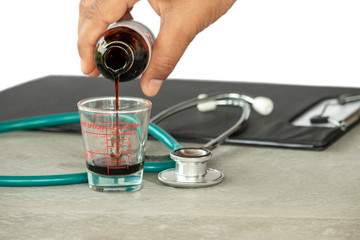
(311, 42)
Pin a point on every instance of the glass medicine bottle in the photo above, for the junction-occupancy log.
(123, 52)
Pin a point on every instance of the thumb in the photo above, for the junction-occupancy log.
(168, 48)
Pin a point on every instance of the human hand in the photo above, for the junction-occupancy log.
(181, 21)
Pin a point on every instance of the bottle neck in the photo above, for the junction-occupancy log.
(118, 57)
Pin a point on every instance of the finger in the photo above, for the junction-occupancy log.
(169, 46)
(83, 8)
(94, 73)
(86, 4)
(98, 17)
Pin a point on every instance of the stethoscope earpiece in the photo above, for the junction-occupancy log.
(263, 105)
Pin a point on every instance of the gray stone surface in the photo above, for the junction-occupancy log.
(267, 194)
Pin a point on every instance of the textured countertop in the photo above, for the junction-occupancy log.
(267, 193)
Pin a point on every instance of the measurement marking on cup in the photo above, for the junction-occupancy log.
(119, 167)
(127, 167)
(113, 138)
(117, 140)
(120, 146)
(111, 154)
(107, 146)
(111, 134)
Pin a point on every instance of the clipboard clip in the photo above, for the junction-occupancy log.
(344, 123)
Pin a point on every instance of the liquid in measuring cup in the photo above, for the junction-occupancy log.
(115, 150)
(100, 166)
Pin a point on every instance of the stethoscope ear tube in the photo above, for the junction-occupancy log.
(40, 122)
(43, 180)
(209, 102)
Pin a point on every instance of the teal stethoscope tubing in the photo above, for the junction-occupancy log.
(74, 178)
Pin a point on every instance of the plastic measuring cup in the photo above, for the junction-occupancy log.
(114, 141)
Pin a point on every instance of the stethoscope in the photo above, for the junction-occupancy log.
(184, 167)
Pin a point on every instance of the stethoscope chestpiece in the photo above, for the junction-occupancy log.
(191, 169)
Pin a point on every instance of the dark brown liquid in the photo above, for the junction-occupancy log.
(117, 107)
(117, 58)
(117, 81)
(100, 166)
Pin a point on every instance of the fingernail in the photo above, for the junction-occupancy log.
(154, 86)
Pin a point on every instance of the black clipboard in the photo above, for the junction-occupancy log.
(60, 94)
